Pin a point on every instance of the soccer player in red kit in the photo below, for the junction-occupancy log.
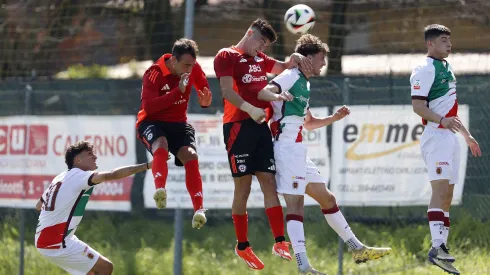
(162, 121)
(242, 71)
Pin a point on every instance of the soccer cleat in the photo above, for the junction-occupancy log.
(250, 258)
(199, 219)
(369, 253)
(160, 198)
(310, 271)
(444, 265)
(282, 250)
(441, 253)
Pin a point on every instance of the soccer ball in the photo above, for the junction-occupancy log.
(299, 19)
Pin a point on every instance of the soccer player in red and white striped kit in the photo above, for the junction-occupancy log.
(162, 120)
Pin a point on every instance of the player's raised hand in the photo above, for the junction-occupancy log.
(205, 97)
(184, 80)
(298, 59)
(451, 123)
(341, 113)
(474, 146)
(285, 96)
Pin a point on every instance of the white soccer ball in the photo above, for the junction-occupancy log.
(299, 19)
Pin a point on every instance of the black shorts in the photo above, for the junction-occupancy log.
(249, 147)
(178, 134)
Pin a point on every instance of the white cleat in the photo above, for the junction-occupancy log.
(199, 219)
(160, 198)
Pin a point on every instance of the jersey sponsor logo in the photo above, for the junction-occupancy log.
(416, 85)
(22, 139)
(394, 137)
(180, 101)
(442, 163)
(302, 99)
(258, 59)
(254, 68)
(248, 78)
(298, 178)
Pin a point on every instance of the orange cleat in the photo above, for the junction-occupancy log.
(250, 258)
(282, 250)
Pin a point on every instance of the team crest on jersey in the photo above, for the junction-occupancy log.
(295, 184)
(438, 170)
(90, 256)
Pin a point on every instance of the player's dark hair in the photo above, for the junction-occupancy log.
(435, 30)
(265, 29)
(309, 44)
(185, 46)
(76, 149)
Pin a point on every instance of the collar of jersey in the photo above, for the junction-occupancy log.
(162, 65)
(238, 50)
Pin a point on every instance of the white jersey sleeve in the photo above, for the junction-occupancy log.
(286, 79)
(82, 179)
(421, 81)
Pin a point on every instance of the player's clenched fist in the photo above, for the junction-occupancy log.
(255, 113)
(451, 123)
(205, 97)
(184, 80)
(341, 113)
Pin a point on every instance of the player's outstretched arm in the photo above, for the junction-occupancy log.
(312, 123)
(271, 92)
(226, 85)
(294, 60)
(119, 173)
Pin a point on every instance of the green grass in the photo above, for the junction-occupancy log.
(140, 246)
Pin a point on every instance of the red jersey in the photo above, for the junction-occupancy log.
(161, 98)
(249, 77)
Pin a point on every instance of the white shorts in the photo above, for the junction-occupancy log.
(77, 257)
(441, 153)
(294, 170)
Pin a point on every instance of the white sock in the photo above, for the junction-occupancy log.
(436, 225)
(338, 223)
(296, 235)
(445, 235)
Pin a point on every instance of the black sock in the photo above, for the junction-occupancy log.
(280, 239)
(243, 246)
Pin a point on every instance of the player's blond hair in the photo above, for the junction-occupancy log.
(309, 44)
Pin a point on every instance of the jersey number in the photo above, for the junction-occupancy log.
(51, 196)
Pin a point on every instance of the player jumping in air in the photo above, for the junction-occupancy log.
(162, 121)
(62, 206)
(434, 99)
(242, 71)
(296, 174)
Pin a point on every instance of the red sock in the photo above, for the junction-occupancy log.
(193, 182)
(276, 220)
(241, 227)
(160, 168)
